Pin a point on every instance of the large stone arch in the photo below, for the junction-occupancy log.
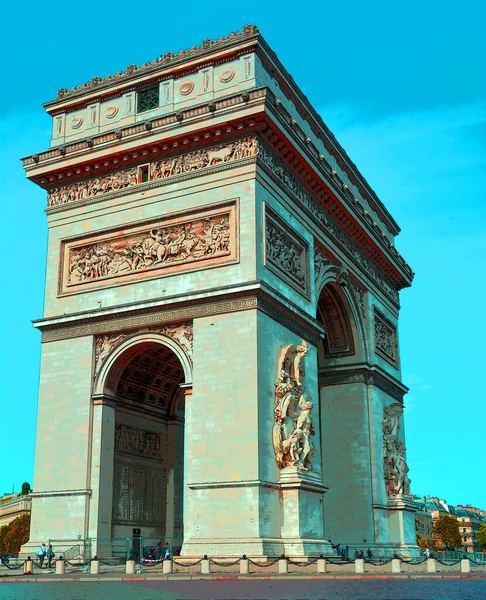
(112, 367)
(139, 391)
(348, 298)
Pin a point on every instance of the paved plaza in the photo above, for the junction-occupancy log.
(290, 589)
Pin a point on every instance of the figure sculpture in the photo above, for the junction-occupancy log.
(293, 429)
(394, 462)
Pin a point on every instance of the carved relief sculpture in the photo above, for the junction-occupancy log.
(105, 344)
(386, 343)
(286, 253)
(162, 169)
(182, 242)
(137, 441)
(394, 462)
(293, 430)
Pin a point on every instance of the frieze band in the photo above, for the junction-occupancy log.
(162, 169)
(386, 342)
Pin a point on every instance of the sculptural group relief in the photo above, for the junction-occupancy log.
(293, 429)
(286, 253)
(394, 462)
(386, 343)
(137, 441)
(179, 165)
(182, 242)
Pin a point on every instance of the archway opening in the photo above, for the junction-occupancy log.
(148, 455)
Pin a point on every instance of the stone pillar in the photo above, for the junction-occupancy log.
(283, 565)
(167, 566)
(359, 565)
(244, 566)
(465, 565)
(102, 460)
(28, 566)
(396, 565)
(431, 565)
(321, 565)
(205, 566)
(95, 567)
(130, 567)
(60, 567)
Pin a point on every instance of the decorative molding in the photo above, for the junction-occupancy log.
(277, 169)
(105, 344)
(137, 441)
(195, 239)
(286, 253)
(167, 59)
(186, 87)
(278, 308)
(227, 74)
(52, 493)
(293, 430)
(367, 376)
(182, 164)
(386, 340)
(394, 462)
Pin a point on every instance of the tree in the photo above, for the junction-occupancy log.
(25, 489)
(13, 535)
(446, 529)
(481, 536)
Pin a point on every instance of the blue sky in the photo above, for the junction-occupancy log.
(401, 87)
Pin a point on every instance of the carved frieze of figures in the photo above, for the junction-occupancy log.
(92, 187)
(293, 430)
(394, 462)
(386, 344)
(162, 169)
(209, 237)
(137, 441)
(286, 253)
(105, 344)
(193, 161)
(325, 219)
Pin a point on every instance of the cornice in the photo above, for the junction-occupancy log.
(368, 375)
(307, 112)
(174, 310)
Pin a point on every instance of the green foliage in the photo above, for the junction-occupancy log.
(446, 529)
(481, 535)
(25, 489)
(13, 535)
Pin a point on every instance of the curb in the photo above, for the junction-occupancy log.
(215, 577)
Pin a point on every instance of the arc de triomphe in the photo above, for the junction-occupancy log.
(220, 357)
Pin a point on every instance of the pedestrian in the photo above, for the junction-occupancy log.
(346, 553)
(427, 552)
(50, 555)
(159, 549)
(167, 550)
(41, 554)
(369, 553)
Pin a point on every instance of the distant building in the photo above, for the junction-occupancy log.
(469, 517)
(12, 507)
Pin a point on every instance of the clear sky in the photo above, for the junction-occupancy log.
(403, 89)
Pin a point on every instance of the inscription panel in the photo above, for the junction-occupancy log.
(182, 242)
(286, 253)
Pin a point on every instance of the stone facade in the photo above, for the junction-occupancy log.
(220, 327)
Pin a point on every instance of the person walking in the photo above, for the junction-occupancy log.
(41, 554)
(50, 555)
(369, 553)
(427, 552)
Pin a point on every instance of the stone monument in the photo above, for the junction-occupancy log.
(220, 361)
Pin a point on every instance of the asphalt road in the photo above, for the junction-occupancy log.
(373, 589)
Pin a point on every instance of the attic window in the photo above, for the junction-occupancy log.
(148, 99)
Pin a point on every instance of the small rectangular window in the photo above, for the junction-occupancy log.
(148, 99)
(143, 174)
